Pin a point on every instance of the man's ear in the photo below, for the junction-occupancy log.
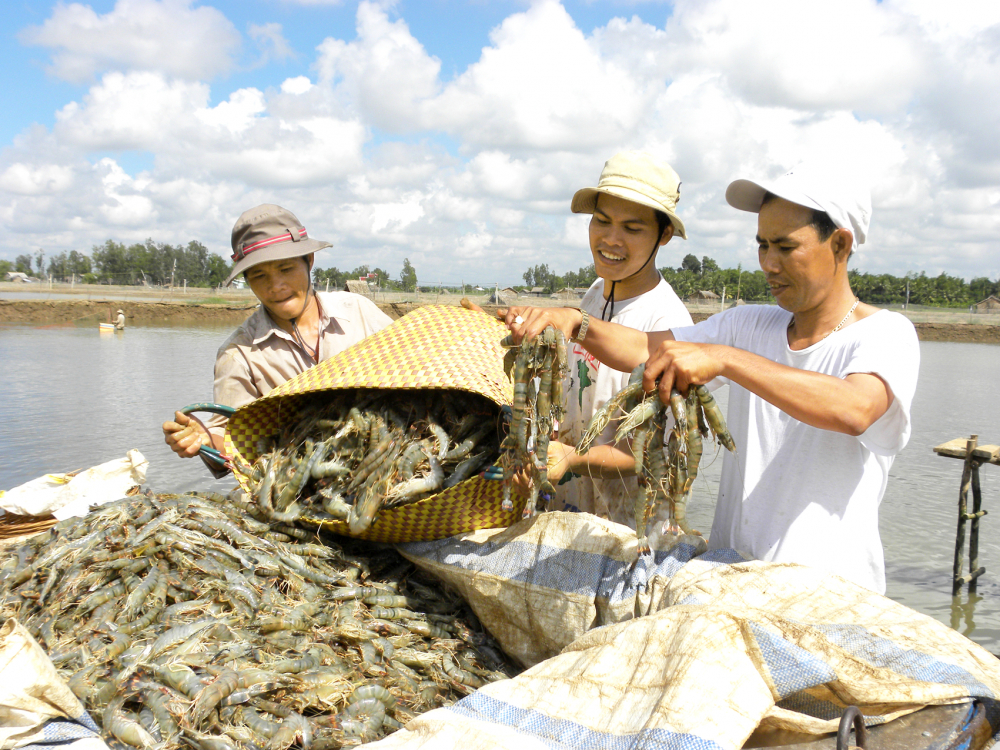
(310, 260)
(842, 242)
(668, 233)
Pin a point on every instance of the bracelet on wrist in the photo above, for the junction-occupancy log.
(581, 333)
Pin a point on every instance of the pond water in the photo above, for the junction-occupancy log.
(72, 398)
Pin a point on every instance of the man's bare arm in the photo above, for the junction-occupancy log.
(847, 405)
(616, 346)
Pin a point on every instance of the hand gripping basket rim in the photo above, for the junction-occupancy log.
(433, 347)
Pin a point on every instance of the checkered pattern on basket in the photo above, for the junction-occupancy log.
(433, 347)
(473, 504)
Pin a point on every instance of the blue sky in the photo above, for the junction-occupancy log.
(454, 133)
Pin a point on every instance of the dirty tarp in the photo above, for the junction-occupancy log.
(37, 709)
(723, 645)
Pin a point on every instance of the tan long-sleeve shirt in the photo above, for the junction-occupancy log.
(259, 356)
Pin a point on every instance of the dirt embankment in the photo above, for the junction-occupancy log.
(82, 312)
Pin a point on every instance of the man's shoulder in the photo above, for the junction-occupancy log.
(245, 333)
(886, 329)
(754, 317)
(345, 302)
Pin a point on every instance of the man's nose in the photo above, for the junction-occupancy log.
(768, 261)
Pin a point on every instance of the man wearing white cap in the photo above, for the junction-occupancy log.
(821, 384)
(120, 320)
(633, 215)
(295, 327)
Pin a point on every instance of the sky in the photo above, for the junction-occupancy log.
(453, 133)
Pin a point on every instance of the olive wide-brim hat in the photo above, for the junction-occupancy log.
(267, 233)
(638, 177)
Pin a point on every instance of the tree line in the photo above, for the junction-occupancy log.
(156, 263)
(150, 263)
(695, 275)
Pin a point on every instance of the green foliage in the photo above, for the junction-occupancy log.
(22, 264)
(692, 264)
(157, 263)
(336, 278)
(408, 276)
(541, 276)
(6, 267)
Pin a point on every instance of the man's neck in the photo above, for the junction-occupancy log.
(633, 286)
(811, 326)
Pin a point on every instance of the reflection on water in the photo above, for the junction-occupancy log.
(72, 397)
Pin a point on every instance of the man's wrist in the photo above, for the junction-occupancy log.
(581, 331)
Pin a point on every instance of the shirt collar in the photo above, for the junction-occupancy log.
(262, 326)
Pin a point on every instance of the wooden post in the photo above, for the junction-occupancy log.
(970, 478)
(977, 513)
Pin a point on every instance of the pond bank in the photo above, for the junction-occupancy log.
(88, 312)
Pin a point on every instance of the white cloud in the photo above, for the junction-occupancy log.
(26, 179)
(296, 85)
(384, 74)
(168, 36)
(540, 85)
(271, 42)
(237, 113)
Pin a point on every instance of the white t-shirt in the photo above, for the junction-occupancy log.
(590, 384)
(797, 493)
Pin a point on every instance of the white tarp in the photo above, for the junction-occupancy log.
(679, 650)
(36, 706)
(67, 496)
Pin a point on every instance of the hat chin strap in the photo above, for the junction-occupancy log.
(295, 327)
(611, 296)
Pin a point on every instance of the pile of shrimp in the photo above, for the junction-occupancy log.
(666, 474)
(195, 621)
(539, 366)
(352, 453)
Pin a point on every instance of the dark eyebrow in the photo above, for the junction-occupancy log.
(634, 220)
(775, 241)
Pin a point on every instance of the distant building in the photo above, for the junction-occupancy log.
(17, 276)
(359, 287)
(502, 297)
(566, 294)
(989, 305)
(704, 296)
(537, 291)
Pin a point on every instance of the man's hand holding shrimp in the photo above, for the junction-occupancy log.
(525, 322)
(679, 364)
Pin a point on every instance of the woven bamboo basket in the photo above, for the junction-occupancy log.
(436, 347)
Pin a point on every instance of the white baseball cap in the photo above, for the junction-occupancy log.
(846, 201)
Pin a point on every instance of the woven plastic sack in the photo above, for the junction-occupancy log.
(36, 706)
(678, 650)
(435, 347)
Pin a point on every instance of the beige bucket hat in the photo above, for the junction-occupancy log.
(638, 177)
(268, 232)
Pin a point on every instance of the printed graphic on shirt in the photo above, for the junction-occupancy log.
(583, 372)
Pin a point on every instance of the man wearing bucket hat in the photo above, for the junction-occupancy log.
(120, 320)
(633, 215)
(294, 328)
(821, 384)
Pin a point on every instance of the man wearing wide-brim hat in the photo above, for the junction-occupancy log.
(120, 320)
(294, 328)
(821, 383)
(633, 212)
